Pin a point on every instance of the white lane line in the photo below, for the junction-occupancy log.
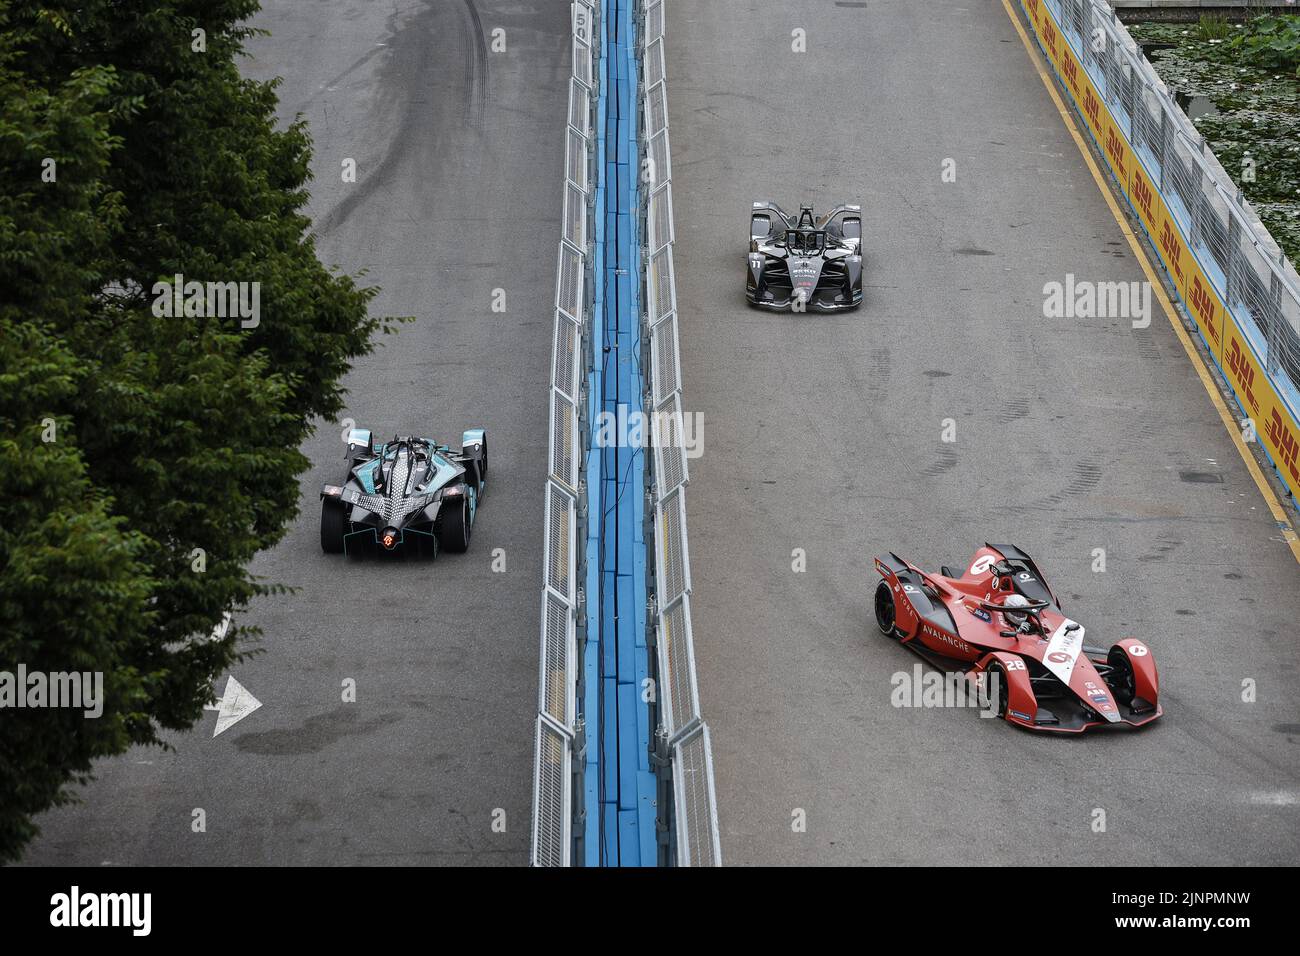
(1279, 798)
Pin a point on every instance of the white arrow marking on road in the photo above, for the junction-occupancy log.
(233, 706)
(219, 631)
(1279, 799)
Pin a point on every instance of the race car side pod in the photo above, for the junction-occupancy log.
(917, 606)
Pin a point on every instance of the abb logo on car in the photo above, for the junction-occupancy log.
(1097, 694)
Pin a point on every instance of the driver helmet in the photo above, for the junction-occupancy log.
(1015, 618)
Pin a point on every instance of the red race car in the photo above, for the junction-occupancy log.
(998, 616)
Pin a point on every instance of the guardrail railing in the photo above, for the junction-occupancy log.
(688, 801)
(1237, 285)
(557, 768)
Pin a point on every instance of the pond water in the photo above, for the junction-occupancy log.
(1250, 116)
(1196, 106)
(1146, 49)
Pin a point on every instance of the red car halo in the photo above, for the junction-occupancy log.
(1049, 678)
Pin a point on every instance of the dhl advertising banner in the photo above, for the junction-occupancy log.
(1275, 425)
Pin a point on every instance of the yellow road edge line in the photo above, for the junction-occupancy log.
(1229, 422)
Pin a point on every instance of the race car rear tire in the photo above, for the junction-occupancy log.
(454, 528)
(885, 612)
(333, 526)
(1120, 680)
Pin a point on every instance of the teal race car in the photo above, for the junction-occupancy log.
(408, 493)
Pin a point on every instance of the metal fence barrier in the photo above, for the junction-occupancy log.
(557, 768)
(682, 739)
(1256, 287)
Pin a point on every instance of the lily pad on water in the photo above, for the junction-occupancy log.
(1243, 95)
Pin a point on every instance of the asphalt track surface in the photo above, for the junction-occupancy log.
(824, 433)
(821, 433)
(460, 158)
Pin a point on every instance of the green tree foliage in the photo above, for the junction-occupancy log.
(173, 436)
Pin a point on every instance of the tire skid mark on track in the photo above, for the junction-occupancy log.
(417, 131)
(476, 70)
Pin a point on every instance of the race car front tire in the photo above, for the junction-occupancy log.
(454, 526)
(1004, 689)
(1120, 680)
(333, 526)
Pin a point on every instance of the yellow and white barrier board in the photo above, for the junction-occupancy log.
(1275, 424)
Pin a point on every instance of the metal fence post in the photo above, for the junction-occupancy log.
(1234, 259)
(661, 760)
(1166, 134)
(1130, 87)
(1272, 358)
(1197, 237)
(579, 788)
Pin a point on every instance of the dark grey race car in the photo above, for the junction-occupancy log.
(803, 264)
(409, 492)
